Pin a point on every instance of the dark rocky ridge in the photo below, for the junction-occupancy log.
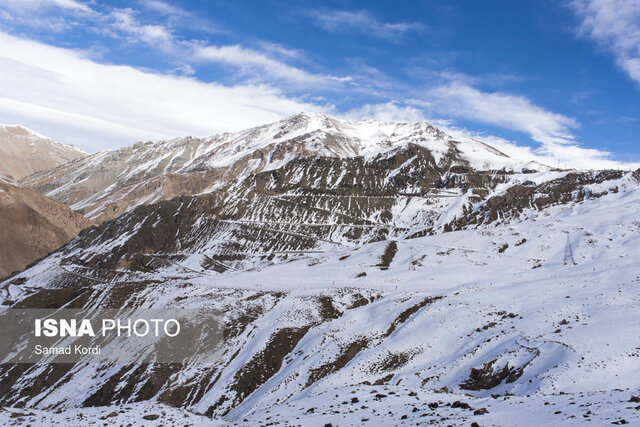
(307, 203)
(570, 188)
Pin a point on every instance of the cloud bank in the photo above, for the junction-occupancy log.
(62, 94)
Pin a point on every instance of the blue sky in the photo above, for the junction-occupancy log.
(555, 81)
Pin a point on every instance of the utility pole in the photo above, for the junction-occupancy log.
(568, 252)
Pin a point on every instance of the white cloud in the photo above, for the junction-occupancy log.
(504, 110)
(163, 7)
(184, 70)
(615, 26)
(276, 49)
(72, 4)
(52, 15)
(558, 146)
(176, 17)
(158, 25)
(155, 35)
(389, 111)
(363, 21)
(564, 156)
(266, 65)
(64, 4)
(258, 65)
(60, 93)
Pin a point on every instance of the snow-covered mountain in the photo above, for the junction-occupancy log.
(106, 184)
(23, 152)
(385, 280)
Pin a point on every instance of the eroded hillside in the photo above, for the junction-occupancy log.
(366, 275)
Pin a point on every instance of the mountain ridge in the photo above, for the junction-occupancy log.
(106, 184)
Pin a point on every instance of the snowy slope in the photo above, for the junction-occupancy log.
(486, 314)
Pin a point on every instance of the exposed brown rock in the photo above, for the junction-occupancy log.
(404, 316)
(485, 378)
(389, 253)
(345, 357)
(266, 363)
(31, 226)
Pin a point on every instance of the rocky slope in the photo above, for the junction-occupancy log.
(106, 184)
(23, 152)
(32, 225)
(306, 206)
(402, 278)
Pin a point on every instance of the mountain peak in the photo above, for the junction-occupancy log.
(19, 130)
(24, 152)
(312, 115)
(150, 171)
(328, 119)
(13, 131)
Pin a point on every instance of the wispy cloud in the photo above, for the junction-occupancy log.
(615, 26)
(52, 15)
(178, 17)
(259, 65)
(69, 97)
(389, 111)
(278, 50)
(164, 7)
(571, 156)
(504, 110)
(157, 26)
(64, 4)
(364, 22)
(269, 64)
(553, 131)
(125, 22)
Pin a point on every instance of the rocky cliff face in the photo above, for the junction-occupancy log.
(308, 205)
